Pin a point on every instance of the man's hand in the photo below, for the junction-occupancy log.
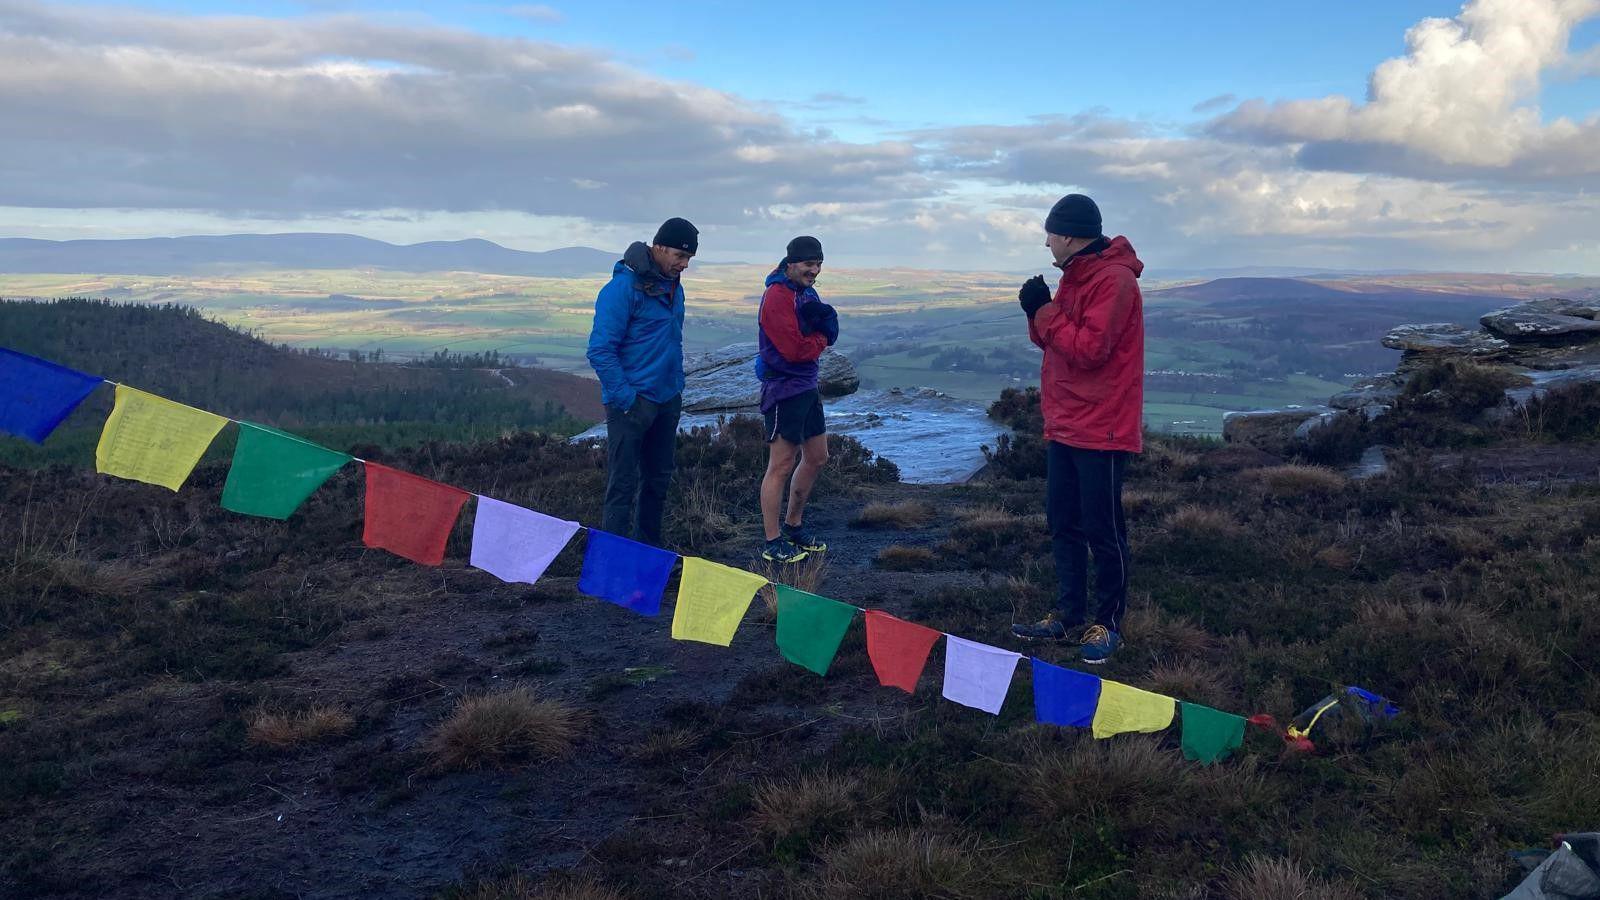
(1034, 295)
(818, 316)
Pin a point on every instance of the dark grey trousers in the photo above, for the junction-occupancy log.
(1084, 507)
(641, 454)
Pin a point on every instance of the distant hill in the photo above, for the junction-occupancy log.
(176, 352)
(206, 253)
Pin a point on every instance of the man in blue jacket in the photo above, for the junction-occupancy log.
(636, 347)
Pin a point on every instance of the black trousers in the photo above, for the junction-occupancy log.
(1083, 503)
(641, 455)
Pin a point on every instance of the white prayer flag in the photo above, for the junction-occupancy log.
(516, 544)
(977, 675)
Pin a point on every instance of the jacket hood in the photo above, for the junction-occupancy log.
(1118, 252)
(638, 260)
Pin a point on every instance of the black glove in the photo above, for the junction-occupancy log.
(1034, 295)
(817, 316)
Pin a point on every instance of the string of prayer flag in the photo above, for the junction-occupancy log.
(1210, 735)
(630, 574)
(515, 544)
(810, 628)
(977, 675)
(274, 472)
(898, 649)
(409, 515)
(152, 439)
(712, 599)
(1123, 709)
(36, 394)
(1063, 696)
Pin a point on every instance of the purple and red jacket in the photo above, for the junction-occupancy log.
(787, 362)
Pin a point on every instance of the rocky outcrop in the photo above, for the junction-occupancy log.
(1545, 343)
(1444, 339)
(1273, 431)
(1556, 320)
(725, 379)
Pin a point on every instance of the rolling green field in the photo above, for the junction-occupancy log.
(960, 333)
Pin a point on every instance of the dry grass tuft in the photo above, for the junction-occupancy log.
(806, 575)
(1132, 778)
(667, 743)
(522, 887)
(1335, 557)
(1202, 522)
(902, 558)
(1140, 503)
(987, 517)
(113, 578)
(1194, 681)
(504, 727)
(810, 806)
(273, 728)
(903, 514)
(909, 863)
(1260, 878)
(1294, 480)
(1154, 630)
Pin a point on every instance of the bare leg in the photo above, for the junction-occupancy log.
(813, 456)
(780, 462)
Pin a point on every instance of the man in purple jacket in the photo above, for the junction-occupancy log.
(795, 327)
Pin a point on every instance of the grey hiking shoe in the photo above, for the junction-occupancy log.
(782, 550)
(804, 539)
(1050, 628)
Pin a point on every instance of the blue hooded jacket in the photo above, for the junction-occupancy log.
(636, 345)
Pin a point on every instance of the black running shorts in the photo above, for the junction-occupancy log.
(796, 419)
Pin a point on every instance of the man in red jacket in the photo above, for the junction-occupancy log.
(1092, 392)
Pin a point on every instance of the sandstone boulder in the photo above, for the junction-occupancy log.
(1443, 339)
(725, 378)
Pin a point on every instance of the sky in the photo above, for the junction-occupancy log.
(1402, 134)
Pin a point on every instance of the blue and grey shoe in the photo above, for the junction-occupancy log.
(804, 539)
(782, 550)
(1099, 642)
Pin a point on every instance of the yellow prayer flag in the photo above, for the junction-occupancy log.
(712, 598)
(152, 439)
(1124, 708)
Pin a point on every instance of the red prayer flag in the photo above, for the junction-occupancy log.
(410, 515)
(898, 649)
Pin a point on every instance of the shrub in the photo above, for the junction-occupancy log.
(285, 729)
(901, 515)
(501, 728)
(1132, 779)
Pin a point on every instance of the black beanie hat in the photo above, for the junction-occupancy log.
(803, 249)
(678, 234)
(1074, 216)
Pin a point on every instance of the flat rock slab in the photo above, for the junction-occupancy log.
(1445, 339)
(1517, 325)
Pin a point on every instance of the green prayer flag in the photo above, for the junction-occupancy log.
(810, 627)
(274, 472)
(1210, 735)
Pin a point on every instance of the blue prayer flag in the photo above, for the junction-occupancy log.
(35, 395)
(1064, 696)
(624, 572)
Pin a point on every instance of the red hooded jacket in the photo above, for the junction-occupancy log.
(1092, 382)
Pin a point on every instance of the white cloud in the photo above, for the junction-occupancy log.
(1462, 100)
(536, 12)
